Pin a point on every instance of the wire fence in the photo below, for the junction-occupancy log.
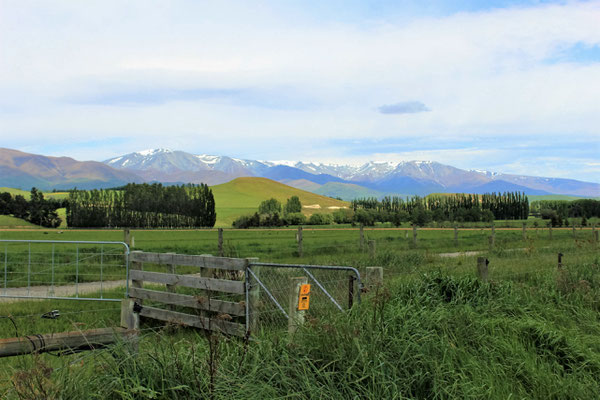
(276, 300)
(62, 269)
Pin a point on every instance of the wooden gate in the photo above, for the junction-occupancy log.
(193, 290)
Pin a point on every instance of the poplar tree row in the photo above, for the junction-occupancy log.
(143, 206)
(508, 205)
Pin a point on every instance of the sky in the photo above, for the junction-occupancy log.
(506, 86)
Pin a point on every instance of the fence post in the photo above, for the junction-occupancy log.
(253, 297)
(171, 288)
(299, 240)
(129, 318)
(220, 242)
(491, 240)
(574, 231)
(373, 278)
(296, 317)
(455, 235)
(482, 268)
(136, 265)
(596, 237)
(550, 231)
(524, 230)
(362, 237)
(127, 237)
(415, 235)
(372, 248)
(351, 280)
(560, 256)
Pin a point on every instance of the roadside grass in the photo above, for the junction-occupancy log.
(438, 336)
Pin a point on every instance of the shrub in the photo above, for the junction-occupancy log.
(295, 219)
(320, 219)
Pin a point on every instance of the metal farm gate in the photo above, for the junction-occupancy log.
(231, 295)
(281, 296)
(69, 270)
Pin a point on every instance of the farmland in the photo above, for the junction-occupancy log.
(243, 195)
(435, 330)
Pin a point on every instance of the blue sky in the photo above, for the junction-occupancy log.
(508, 86)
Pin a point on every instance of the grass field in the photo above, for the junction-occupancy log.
(433, 331)
(27, 194)
(242, 196)
(8, 221)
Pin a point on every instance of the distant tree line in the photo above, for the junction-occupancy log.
(143, 206)
(37, 210)
(458, 207)
(557, 211)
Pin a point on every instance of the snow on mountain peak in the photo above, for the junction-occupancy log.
(151, 152)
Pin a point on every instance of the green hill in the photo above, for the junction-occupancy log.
(347, 191)
(8, 221)
(242, 196)
(27, 194)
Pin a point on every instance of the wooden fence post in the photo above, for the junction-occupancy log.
(136, 265)
(373, 278)
(171, 288)
(129, 318)
(455, 235)
(596, 237)
(491, 240)
(524, 230)
(299, 240)
(253, 298)
(127, 237)
(415, 235)
(372, 248)
(362, 237)
(220, 242)
(550, 231)
(482, 268)
(351, 279)
(296, 317)
(560, 256)
(574, 231)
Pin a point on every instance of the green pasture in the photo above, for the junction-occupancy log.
(10, 222)
(433, 331)
(27, 194)
(242, 196)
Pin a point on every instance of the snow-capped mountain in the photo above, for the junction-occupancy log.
(404, 177)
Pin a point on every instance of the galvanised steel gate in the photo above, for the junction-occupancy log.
(271, 293)
(69, 270)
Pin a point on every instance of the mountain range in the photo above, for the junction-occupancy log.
(19, 169)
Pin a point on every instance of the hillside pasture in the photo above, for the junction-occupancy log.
(242, 196)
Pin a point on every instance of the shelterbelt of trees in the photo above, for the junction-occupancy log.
(457, 207)
(557, 211)
(37, 210)
(143, 206)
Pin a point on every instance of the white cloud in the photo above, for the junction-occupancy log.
(483, 74)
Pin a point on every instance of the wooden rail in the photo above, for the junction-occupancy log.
(192, 281)
(212, 314)
(63, 341)
(231, 264)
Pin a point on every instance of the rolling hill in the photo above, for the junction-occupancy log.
(25, 170)
(242, 196)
